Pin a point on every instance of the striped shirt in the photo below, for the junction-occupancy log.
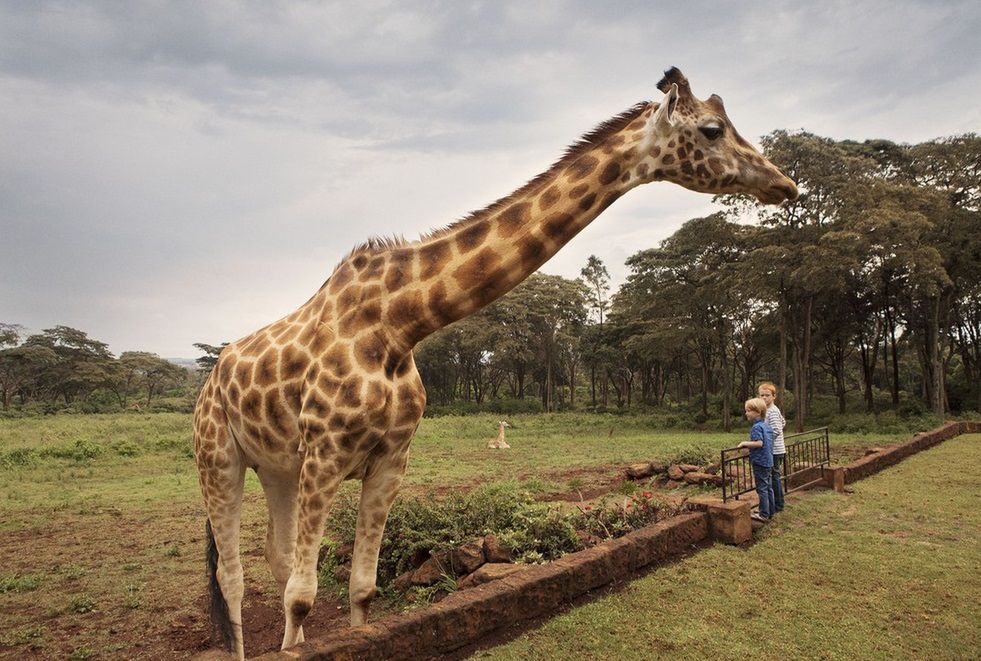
(774, 418)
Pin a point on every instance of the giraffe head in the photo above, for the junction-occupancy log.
(692, 143)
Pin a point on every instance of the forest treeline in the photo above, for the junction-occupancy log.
(865, 292)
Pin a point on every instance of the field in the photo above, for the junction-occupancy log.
(889, 571)
(101, 553)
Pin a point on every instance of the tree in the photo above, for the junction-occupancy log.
(207, 362)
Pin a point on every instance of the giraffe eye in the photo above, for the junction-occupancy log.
(711, 131)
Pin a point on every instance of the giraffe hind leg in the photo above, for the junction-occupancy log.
(222, 475)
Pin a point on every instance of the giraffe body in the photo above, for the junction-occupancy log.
(499, 443)
(331, 391)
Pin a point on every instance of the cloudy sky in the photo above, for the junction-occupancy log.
(178, 172)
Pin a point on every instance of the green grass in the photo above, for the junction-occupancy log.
(93, 505)
(888, 571)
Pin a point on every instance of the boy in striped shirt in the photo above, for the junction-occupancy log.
(768, 393)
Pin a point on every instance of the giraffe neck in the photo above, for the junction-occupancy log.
(471, 264)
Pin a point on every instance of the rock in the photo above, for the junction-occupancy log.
(494, 551)
(675, 472)
(431, 570)
(690, 468)
(465, 559)
(342, 573)
(659, 467)
(872, 451)
(489, 572)
(712, 469)
(639, 471)
(404, 581)
(587, 539)
(703, 478)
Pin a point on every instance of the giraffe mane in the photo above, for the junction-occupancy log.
(588, 141)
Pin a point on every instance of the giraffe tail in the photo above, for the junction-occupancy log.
(220, 620)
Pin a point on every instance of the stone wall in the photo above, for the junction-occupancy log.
(464, 617)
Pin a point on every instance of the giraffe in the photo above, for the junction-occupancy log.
(499, 443)
(330, 392)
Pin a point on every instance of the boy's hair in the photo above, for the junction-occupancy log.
(767, 385)
(758, 405)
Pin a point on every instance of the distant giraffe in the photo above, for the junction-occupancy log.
(499, 443)
(331, 392)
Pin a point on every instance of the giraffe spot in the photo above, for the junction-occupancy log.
(243, 373)
(405, 309)
(291, 397)
(349, 441)
(316, 405)
(312, 428)
(276, 413)
(432, 258)
(475, 270)
(626, 177)
(670, 172)
(643, 169)
(233, 393)
(375, 268)
(308, 335)
(658, 173)
(682, 152)
(391, 363)
(578, 191)
(399, 270)
(608, 199)
(729, 181)
(557, 225)
(671, 144)
(687, 168)
(348, 299)
(328, 385)
(403, 367)
(582, 167)
(610, 173)
(716, 166)
(337, 421)
(349, 394)
(369, 352)
(340, 278)
(549, 197)
(226, 366)
(655, 152)
(702, 171)
(265, 369)
(365, 315)
(668, 159)
(587, 202)
(360, 262)
(292, 364)
(491, 287)
(252, 404)
(337, 360)
(440, 305)
(512, 218)
(698, 155)
(472, 236)
(321, 338)
(533, 253)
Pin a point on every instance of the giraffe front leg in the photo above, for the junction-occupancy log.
(381, 484)
(319, 479)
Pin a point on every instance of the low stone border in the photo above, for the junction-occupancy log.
(466, 616)
(836, 478)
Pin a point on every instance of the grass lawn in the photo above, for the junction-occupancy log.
(889, 571)
(101, 522)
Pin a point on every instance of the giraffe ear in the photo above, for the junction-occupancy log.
(664, 115)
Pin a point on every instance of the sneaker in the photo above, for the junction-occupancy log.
(756, 517)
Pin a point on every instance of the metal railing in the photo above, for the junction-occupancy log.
(807, 453)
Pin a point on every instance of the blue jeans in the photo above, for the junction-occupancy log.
(776, 485)
(761, 475)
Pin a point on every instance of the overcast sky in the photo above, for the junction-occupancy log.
(173, 173)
